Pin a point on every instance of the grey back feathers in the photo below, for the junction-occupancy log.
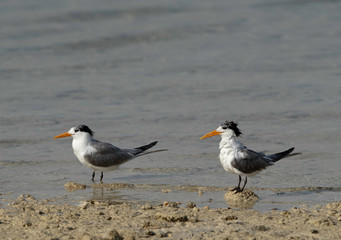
(107, 155)
(252, 162)
(255, 161)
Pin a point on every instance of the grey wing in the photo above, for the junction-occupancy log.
(107, 155)
(132, 151)
(252, 162)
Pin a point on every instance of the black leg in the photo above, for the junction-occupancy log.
(101, 176)
(93, 176)
(245, 181)
(237, 189)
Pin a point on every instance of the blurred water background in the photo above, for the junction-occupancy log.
(138, 71)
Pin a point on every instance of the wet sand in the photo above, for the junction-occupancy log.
(28, 218)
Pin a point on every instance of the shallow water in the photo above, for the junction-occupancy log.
(171, 71)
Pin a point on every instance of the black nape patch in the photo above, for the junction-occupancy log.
(233, 126)
(84, 128)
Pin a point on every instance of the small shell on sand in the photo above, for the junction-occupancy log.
(245, 199)
(72, 186)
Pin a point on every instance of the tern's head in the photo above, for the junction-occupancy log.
(227, 129)
(79, 131)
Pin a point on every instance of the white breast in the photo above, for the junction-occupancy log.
(229, 151)
(81, 147)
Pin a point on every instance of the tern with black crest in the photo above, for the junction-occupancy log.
(238, 159)
(101, 156)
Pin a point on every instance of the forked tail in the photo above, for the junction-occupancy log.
(277, 156)
(142, 149)
(145, 147)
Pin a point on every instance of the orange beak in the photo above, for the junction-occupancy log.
(63, 135)
(211, 134)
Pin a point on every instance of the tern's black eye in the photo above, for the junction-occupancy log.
(233, 126)
(84, 128)
(224, 125)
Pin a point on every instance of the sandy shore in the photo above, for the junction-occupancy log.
(28, 218)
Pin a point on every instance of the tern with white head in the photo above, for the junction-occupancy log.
(238, 159)
(100, 156)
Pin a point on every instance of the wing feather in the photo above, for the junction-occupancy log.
(252, 162)
(107, 155)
